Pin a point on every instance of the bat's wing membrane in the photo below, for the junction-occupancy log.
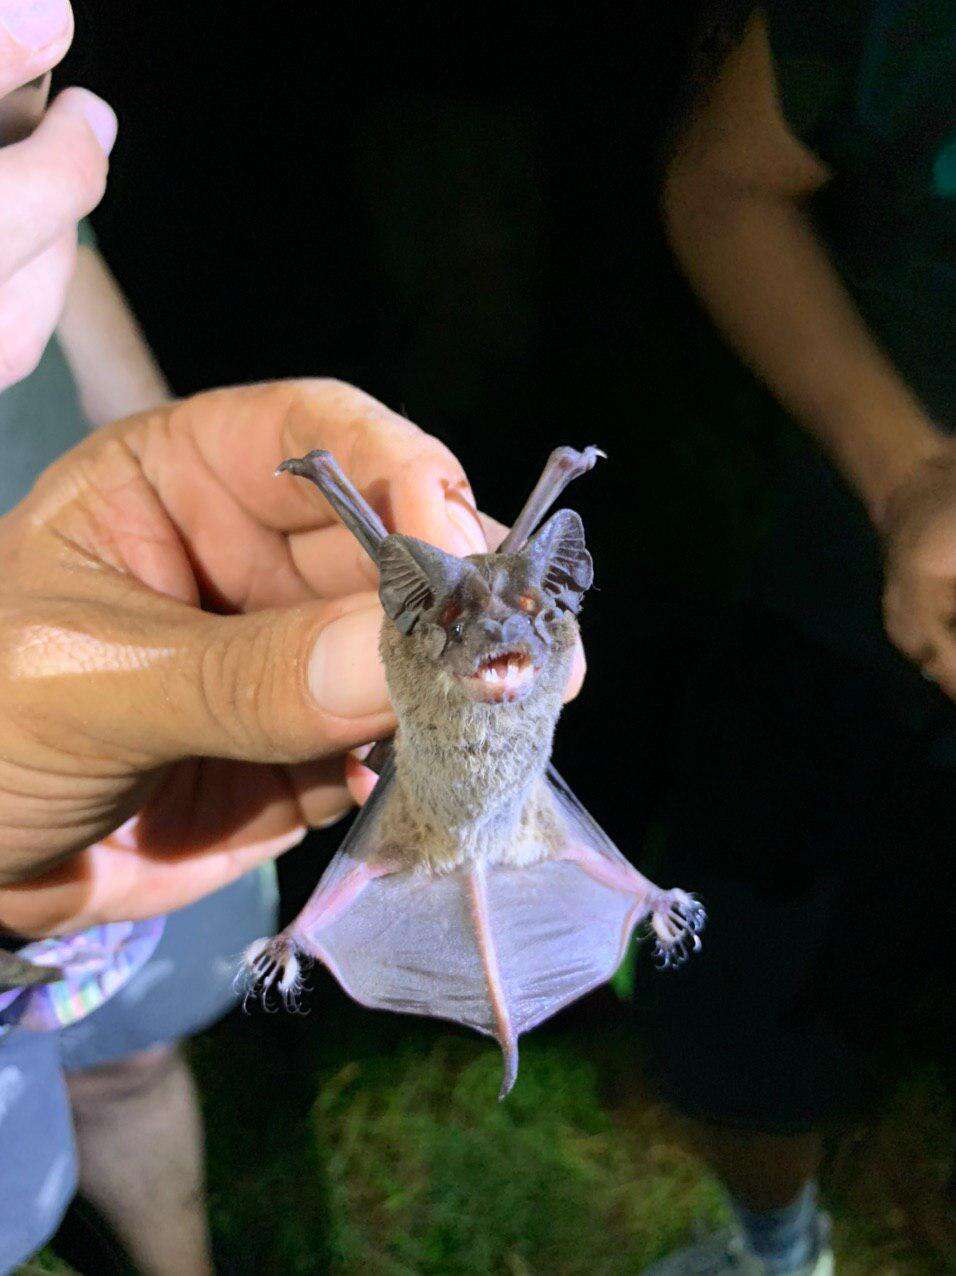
(495, 947)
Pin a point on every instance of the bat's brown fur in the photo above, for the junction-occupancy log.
(468, 782)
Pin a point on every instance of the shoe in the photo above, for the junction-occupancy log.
(725, 1253)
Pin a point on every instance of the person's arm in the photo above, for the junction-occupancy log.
(114, 369)
(735, 207)
(734, 203)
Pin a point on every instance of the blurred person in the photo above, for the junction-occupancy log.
(809, 200)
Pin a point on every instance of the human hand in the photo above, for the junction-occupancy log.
(190, 641)
(47, 183)
(919, 597)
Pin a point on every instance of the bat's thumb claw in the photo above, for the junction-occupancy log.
(509, 1051)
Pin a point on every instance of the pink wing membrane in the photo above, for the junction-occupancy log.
(497, 948)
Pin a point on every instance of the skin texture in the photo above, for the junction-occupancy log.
(47, 183)
(139, 1139)
(177, 622)
(734, 205)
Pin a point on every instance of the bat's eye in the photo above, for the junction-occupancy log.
(450, 613)
(528, 604)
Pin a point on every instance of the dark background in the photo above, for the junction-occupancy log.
(455, 210)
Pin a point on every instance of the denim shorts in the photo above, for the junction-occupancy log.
(186, 985)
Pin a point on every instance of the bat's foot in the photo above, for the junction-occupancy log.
(677, 923)
(274, 964)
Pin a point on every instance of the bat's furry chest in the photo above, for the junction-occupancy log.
(470, 792)
(469, 776)
(519, 831)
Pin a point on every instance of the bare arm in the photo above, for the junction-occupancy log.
(734, 204)
(114, 369)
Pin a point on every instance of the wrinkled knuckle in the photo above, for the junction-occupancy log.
(242, 683)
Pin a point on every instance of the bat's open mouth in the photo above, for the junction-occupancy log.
(506, 675)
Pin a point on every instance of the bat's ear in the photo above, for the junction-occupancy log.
(412, 575)
(559, 559)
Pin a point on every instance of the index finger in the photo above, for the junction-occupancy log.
(410, 478)
(257, 540)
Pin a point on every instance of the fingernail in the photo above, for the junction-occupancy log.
(36, 23)
(98, 114)
(345, 673)
(337, 818)
(464, 519)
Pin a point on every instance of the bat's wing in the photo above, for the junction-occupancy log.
(496, 947)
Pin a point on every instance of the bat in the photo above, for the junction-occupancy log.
(473, 886)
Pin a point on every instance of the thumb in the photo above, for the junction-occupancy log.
(279, 686)
(172, 682)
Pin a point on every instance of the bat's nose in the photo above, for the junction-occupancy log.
(514, 628)
(491, 630)
(511, 629)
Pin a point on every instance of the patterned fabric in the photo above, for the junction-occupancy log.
(96, 963)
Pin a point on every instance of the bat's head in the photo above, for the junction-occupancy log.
(494, 624)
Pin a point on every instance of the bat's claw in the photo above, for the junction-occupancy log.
(308, 466)
(677, 924)
(274, 963)
(575, 463)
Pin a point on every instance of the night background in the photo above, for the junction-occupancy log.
(455, 209)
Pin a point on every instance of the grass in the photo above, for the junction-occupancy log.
(360, 1143)
(430, 1175)
(363, 1144)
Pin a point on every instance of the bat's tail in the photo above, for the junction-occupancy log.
(504, 1029)
(509, 1051)
(274, 963)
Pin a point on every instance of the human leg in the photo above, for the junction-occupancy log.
(139, 1138)
(137, 1121)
